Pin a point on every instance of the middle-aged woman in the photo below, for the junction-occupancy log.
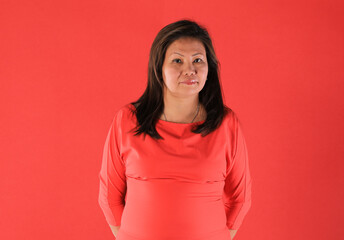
(183, 174)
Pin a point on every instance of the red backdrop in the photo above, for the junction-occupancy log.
(66, 66)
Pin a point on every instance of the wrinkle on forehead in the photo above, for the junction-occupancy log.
(186, 44)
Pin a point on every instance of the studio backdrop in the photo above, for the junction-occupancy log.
(67, 66)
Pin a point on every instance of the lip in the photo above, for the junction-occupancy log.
(190, 81)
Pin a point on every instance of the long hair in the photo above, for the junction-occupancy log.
(149, 107)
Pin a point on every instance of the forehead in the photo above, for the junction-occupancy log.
(186, 45)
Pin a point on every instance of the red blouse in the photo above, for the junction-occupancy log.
(185, 187)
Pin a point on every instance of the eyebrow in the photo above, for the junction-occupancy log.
(183, 55)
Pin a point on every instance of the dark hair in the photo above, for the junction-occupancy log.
(149, 107)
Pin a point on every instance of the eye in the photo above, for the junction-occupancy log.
(177, 59)
(199, 59)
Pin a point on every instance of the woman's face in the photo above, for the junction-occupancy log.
(185, 60)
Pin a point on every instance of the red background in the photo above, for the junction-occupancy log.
(67, 66)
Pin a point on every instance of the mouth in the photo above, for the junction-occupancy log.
(190, 81)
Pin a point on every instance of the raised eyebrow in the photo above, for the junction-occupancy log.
(183, 55)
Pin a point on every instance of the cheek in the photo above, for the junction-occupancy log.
(171, 72)
(203, 70)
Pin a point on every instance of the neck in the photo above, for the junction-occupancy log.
(181, 110)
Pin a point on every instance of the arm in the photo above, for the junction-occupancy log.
(238, 181)
(112, 177)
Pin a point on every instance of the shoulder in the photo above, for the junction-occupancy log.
(124, 116)
(124, 110)
(232, 126)
(235, 128)
(231, 118)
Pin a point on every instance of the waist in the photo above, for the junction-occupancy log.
(170, 209)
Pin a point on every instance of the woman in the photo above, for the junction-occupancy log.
(190, 178)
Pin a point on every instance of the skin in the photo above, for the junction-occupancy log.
(184, 58)
(114, 229)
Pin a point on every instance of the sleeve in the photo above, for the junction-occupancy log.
(112, 177)
(237, 188)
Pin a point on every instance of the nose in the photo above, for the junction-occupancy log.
(189, 69)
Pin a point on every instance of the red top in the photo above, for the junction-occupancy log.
(184, 187)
